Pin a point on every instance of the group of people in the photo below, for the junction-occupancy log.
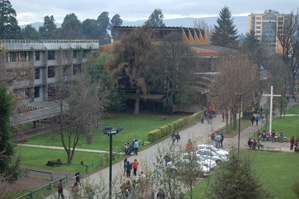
(256, 119)
(175, 137)
(217, 141)
(75, 187)
(295, 143)
(134, 147)
(128, 166)
(253, 144)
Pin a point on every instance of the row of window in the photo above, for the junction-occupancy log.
(66, 71)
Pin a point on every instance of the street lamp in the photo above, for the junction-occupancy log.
(285, 94)
(240, 94)
(109, 131)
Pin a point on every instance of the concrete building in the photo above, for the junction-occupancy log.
(265, 25)
(34, 66)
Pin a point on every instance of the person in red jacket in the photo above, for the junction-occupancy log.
(135, 166)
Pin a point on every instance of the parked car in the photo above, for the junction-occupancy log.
(209, 154)
(204, 165)
(212, 148)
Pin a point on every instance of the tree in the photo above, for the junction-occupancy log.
(49, 29)
(29, 32)
(71, 28)
(9, 28)
(130, 61)
(9, 165)
(201, 24)
(115, 21)
(251, 41)
(225, 33)
(169, 74)
(156, 19)
(236, 74)
(90, 29)
(104, 25)
(236, 178)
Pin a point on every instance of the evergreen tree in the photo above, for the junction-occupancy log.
(9, 28)
(237, 179)
(9, 168)
(30, 32)
(90, 29)
(156, 19)
(115, 21)
(104, 25)
(49, 29)
(251, 41)
(71, 28)
(225, 33)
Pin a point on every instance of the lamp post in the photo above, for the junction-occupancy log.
(109, 131)
(240, 94)
(285, 94)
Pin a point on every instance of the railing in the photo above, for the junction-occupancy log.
(38, 171)
(48, 186)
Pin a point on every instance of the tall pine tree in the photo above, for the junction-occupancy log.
(9, 28)
(9, 168)
(225, 33)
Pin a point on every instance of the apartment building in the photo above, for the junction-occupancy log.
(32, 67)
(265, 25)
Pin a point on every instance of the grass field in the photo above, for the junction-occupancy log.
(289, 125)
(38, 158)
(278, 170)
(293, 110)
(134, 126)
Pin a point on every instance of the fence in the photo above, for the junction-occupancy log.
(48, 186)
(38, 171)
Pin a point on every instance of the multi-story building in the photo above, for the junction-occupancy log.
(266, 25)
(33, 67)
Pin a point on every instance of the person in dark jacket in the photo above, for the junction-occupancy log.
(160, 194)
(60, 189)
(129, 168)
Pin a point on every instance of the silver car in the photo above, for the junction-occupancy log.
(212, 148)
(209, 154)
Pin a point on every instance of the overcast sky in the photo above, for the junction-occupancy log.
(29, 11)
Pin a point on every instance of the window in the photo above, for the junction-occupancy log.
(37, 55)
(258, 18)
(13, 57)
(258, 27)
(85, 53)
(51, 91)
(37, 73)
(75, 54)
(258, 22)
(51, 71)
(51, 55)
(36, 92)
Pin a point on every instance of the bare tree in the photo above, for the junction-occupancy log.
(237, 74)
(201, 24)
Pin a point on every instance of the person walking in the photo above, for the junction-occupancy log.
(129, 168)
(257, 118)
(77, 177)
(218, 139)
(189, 145)
(135, 166)
(178, 137)
(292, 142)
(135, 146)
(125, 166)
(173, 137)
(222, 138)
(60, 189)
(252, 119)
(223, 116)
(264, 135)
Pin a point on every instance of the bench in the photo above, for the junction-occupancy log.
(273, 148)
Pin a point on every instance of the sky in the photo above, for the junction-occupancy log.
(30, 11)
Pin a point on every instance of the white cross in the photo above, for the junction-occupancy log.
(271, 106)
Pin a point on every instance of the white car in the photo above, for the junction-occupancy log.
(212, 148)
(209, 154)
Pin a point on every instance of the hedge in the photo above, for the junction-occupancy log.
(167, 129)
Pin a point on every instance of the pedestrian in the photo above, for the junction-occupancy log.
(264, 135)
(135, 166)
(253, 144)
(167, 159)
(252, 119)
(292, 142)
(268, 135)
(152, 195)
(281, 135)
(173, 137)
(129, 168)
(135, 146)
(249, 143)
(210, 117)
(296, 148)
(77, 177)
(75, 190)
(178, 137)
(223, 116)
(189, 145)
(60, 189)
(160, 194)
(213, 139)
(222, 138)
(218, 139)
(257, 118)
(125, 166)
(202, 119)
(273, 135)
(142, 176)
(259, 135)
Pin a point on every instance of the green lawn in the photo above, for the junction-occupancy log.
(279, 170)
(289, 125)
(293, 110)
(38, 158)
(134, 126)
